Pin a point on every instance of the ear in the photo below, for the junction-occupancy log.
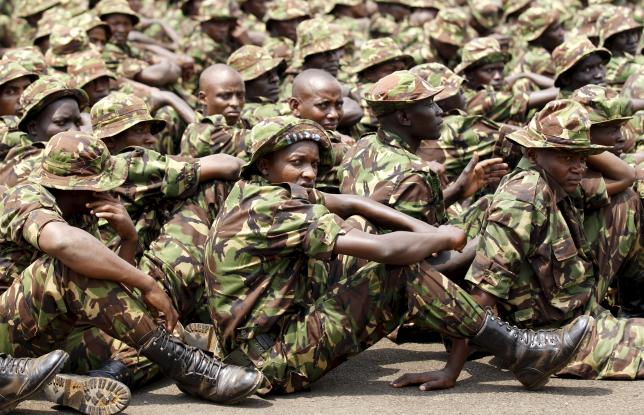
(294, 105)
(203, 98)
(263, 166)
(32, 128)
(402, 118)
(531, 153)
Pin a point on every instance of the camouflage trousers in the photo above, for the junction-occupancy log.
(352, 306)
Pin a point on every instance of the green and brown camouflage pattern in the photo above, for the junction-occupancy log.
(535, 21)
(212, 135)
(11, 69)
(487, 13)
(619, 68)
(615, 20)
(50, 19)
(30, 7)
(86, 69)
(585, 23)
(439, 76)
(281, 10)
(317, 36)
(106, 7)
(604, 105)
(376, 51)
(480, 51)
(449, 26)
(398, 90)
(214, 10)
(205, 51)
(118, 112)
(566, 55)
(89, 21)
(29, 56)
(252, 61)
(68, 43)
(256, 112)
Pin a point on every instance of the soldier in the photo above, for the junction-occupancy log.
(50, 19)
(97, 30)
(60, 293)
(552, 244)
(67, 44)
(620, 34)
(90, 74)
(252, 19)
(307, 311)
(447, 33)
(282, 19)
(486, 15)
(320, 45)
(221, 130)
(30, 57)
(577, 63)
(353, 17)
(30, 13)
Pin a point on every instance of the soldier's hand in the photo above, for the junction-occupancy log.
(457, 238)
(159, 301)
(439, 379)
(478, 174)
(110, 208)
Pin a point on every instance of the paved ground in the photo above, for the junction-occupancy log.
(361, 387)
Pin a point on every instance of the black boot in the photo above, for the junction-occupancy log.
(197, 373)
(533, 356)
(22, 378)
(113, 369)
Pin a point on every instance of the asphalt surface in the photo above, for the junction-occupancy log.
(361, 386)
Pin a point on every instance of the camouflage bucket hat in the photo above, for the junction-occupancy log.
(252, 62)
(73, 160)
(317, 36)
(566, 55)
(30, 7)
(586, 22)
(562, 124)
(382, 26)
(107, 7)
(487, 12)
(281, 10)
(66, 42)
(118, 112)
(214, 10)
(616, 20)
(29, 56)
(86, 69)
(449, 26)
(424, 4)
(480, 51)
(376, 51)
(439, 76)
(43, 92)
(634, 85)
(89, 21)
(398, 90)
(276, 133)
(535, 21)
(513, 6)
(11, 70)
(49, 20)
(604, 105)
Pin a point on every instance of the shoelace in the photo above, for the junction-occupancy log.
(12, 365)
(529, 336)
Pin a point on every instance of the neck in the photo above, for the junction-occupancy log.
(411, 142)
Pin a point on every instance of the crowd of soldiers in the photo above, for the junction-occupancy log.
(242, 194)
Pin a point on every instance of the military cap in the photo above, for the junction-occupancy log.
(43, 92)
(566, 55)
(29, 56)
(30, 7)
(634, 85)
(535, 21)
(439, 76)
(616, 20)
(85, 69)
(562, 124)
(11, 69)
(89, 21)
(513, 6)
(398, 90)
(376, 51)
(118, 112)
(383, 26)
(586, 21)
(487, 12)
(107, 7)
(65, 43)
(281, 10)
(317, 36)
(605, 106)
(449, 26)
(49, 20)
(276, 133)
(480, 51)
(252, 62)
(214, 10)
(74, 160)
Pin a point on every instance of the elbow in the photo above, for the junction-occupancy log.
(630, 177)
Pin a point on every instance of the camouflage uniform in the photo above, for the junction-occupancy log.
(569, 53)
(23, 33)
(449, 26)
(355, 29)
(487, 13)
(68, 44)
(305, 310)
(634, 88)
(29, 57)
(530, 58)
(48, 22)
(212, 135)
(549, 256)
(281, 10)
(585, 23)
(612, 22)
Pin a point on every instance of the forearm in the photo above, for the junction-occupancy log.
(128, 249)
(219, 166)
(160, 74)
(618, 174)
(453, 192)
(184, 110)
(540, 98)
(637, 104)
(454, 264)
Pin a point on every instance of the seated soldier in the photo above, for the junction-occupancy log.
(282, 18)
(620, 33)
(68, 290)
(222, 95)
(290, 295)
(577, 63)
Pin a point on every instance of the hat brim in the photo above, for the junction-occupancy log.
(605, 53)
(96, 76)
(136, 19)
(495, 57)
(614, 121)
(78, 94)
(18, 76)
(266, 66)
(113, 177)
(156, 126)
(336, 41)
(527, 139)
(407, 58)
(385, 107)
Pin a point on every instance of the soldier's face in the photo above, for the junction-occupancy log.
(97, 89)
(98, 37)
(608, 135)
(255, 7)
(590, 70)
(445, 50)
(552, 37)
(624, 42)
(488, 74)
(57, 117)
(383, 69)
(424, 120)
(218, 30)
(285, 28)
(566, 168)
(226, 96)
(266, 86)
(10, 95)
(327, 61)
(297, 163)
(322, 105)
(120, 26)
(139, 135)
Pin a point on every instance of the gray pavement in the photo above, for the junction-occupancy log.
(360, 386)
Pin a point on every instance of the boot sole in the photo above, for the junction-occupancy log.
(542, 381)
(89, 395)
(7, 407)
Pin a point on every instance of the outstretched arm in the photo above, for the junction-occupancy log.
(219, 166)
(618, 175)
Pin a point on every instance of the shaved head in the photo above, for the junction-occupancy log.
(317, 96)
(222, 91)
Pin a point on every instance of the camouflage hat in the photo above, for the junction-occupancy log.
(74, 160)
(29, 56)
(398, 90)
(376, 51)
(586, 21)
(566, 55)
(616, 20)
(276, 133)
(383, 26)
(214, 10)
(252, 62)
(487, 12)
(439, 76)
(43, 92)
(281, 10)
(107, 7)
(89, 21)
(449, 26)
(535, 21)
(317, 36)
(480, 51)
(118, 112)
(605, 106)
(49, 20)
(513, 6)
(30, 7)
(11, 70)
(328, 6)
(66, 43)
(634, 85)
(562, 124)
(86, 69)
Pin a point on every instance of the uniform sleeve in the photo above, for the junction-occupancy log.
(419, 195)
(195, 141)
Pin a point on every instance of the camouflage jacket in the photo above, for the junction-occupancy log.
(619, 68)
(533, 254)
(21, 160)
(500, 106)
(381, 167)
(263, 254)
(254, 112)
(10, 137)
(124, 62)
(532, 59)
(329, 181)
(211, 135)
(368, 123)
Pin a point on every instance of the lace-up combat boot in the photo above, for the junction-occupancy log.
(533, 356)
(197, 373)
(22, 378)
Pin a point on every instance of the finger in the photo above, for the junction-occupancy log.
(105, 215)
(492, 161)
(409, 379)
(171, 319)
(433, 385)
(104, 207)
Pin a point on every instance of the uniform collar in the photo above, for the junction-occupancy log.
(392, 139)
